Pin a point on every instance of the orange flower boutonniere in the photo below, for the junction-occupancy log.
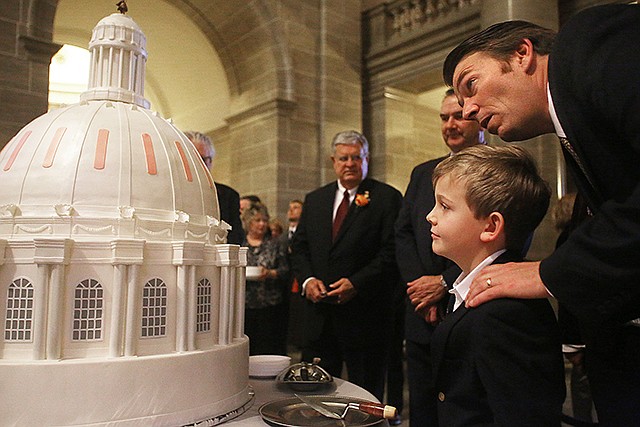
(362, 200)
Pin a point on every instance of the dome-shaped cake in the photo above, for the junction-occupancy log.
(122, 303)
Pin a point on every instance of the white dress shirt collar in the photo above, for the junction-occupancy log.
(461, 286)
(554, 117)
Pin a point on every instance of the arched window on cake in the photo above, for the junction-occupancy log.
(87, 311)
(19, 318)
(203, 314)
(154, 309)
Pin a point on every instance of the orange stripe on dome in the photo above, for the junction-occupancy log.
(16, 150)
(149, 154)
(185, 164)
(53, 148)
(101, 149)
(207, 173)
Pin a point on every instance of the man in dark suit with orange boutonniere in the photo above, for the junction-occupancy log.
(343, 255)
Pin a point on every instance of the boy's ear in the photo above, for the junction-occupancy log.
(494, 227)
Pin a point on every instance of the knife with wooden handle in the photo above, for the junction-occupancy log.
(379, 410)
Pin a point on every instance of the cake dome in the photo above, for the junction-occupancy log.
(122, 303)
(144, 167)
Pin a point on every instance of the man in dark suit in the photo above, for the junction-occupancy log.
(421, 269)
(518, 80)
(343, 256)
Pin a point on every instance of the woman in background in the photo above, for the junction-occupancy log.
(265, 309)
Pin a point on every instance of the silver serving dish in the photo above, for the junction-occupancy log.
(304, 376)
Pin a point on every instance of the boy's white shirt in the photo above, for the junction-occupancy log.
(461, 286)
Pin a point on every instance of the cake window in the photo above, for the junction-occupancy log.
(203, 314)
(154, 309)
(19, 320)
(87, 311)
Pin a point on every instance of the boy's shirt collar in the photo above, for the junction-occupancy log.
(461, 286)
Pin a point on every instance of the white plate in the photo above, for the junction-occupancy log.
(267, 366)
(252, 272)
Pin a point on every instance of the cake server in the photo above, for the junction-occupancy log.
(373, 408)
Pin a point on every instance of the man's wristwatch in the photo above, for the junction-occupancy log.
(443, 283)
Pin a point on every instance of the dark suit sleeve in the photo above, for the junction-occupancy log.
(596, 272)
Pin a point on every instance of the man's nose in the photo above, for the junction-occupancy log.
(469, 111)
(451, 122)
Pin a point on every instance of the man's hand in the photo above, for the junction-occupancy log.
(425, 291)
(315, 290)
(342, 290)
(432, 314)
(512, 280)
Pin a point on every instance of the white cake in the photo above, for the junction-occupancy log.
(122, 303)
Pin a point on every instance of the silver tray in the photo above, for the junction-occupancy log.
(292, 412)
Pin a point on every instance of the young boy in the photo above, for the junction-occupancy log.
(500, 363)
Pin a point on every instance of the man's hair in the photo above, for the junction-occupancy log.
(251, 197)
(350, 137)
(297, 201)
(200, 138)
(500, 179)
(248, 214)
(499, 41)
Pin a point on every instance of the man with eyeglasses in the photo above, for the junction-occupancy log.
(343, 255)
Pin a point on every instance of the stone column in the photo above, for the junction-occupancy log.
(541, 12)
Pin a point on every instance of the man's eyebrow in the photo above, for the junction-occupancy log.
(461, 76)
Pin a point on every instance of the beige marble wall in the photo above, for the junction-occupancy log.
(25, 53)
(406, 133)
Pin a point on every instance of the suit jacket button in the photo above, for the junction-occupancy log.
(441, 397)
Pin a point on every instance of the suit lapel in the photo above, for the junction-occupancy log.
(441, 336)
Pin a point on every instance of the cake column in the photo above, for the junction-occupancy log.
(132, 311)
(50, 255)
(224, 262)
(191, 307)
(117, 311)
(181, 310)
(126, 256)
(241, 284)
(185, 256)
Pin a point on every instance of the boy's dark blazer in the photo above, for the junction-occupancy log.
(499, 364)
(363, 252)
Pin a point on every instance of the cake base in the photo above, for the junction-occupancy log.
(191, 388)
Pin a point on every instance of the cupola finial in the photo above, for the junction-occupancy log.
(122, 7)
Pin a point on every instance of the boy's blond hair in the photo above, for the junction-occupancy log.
(501, 179)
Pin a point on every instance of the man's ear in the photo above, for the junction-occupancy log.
(494, 227)
(525, 56)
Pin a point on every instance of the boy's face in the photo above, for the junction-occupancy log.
(454, 229)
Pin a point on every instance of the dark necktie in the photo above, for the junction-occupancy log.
(340, 214)
(451, 303)
(572, 152)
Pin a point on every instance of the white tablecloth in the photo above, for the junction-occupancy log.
(267, 390)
